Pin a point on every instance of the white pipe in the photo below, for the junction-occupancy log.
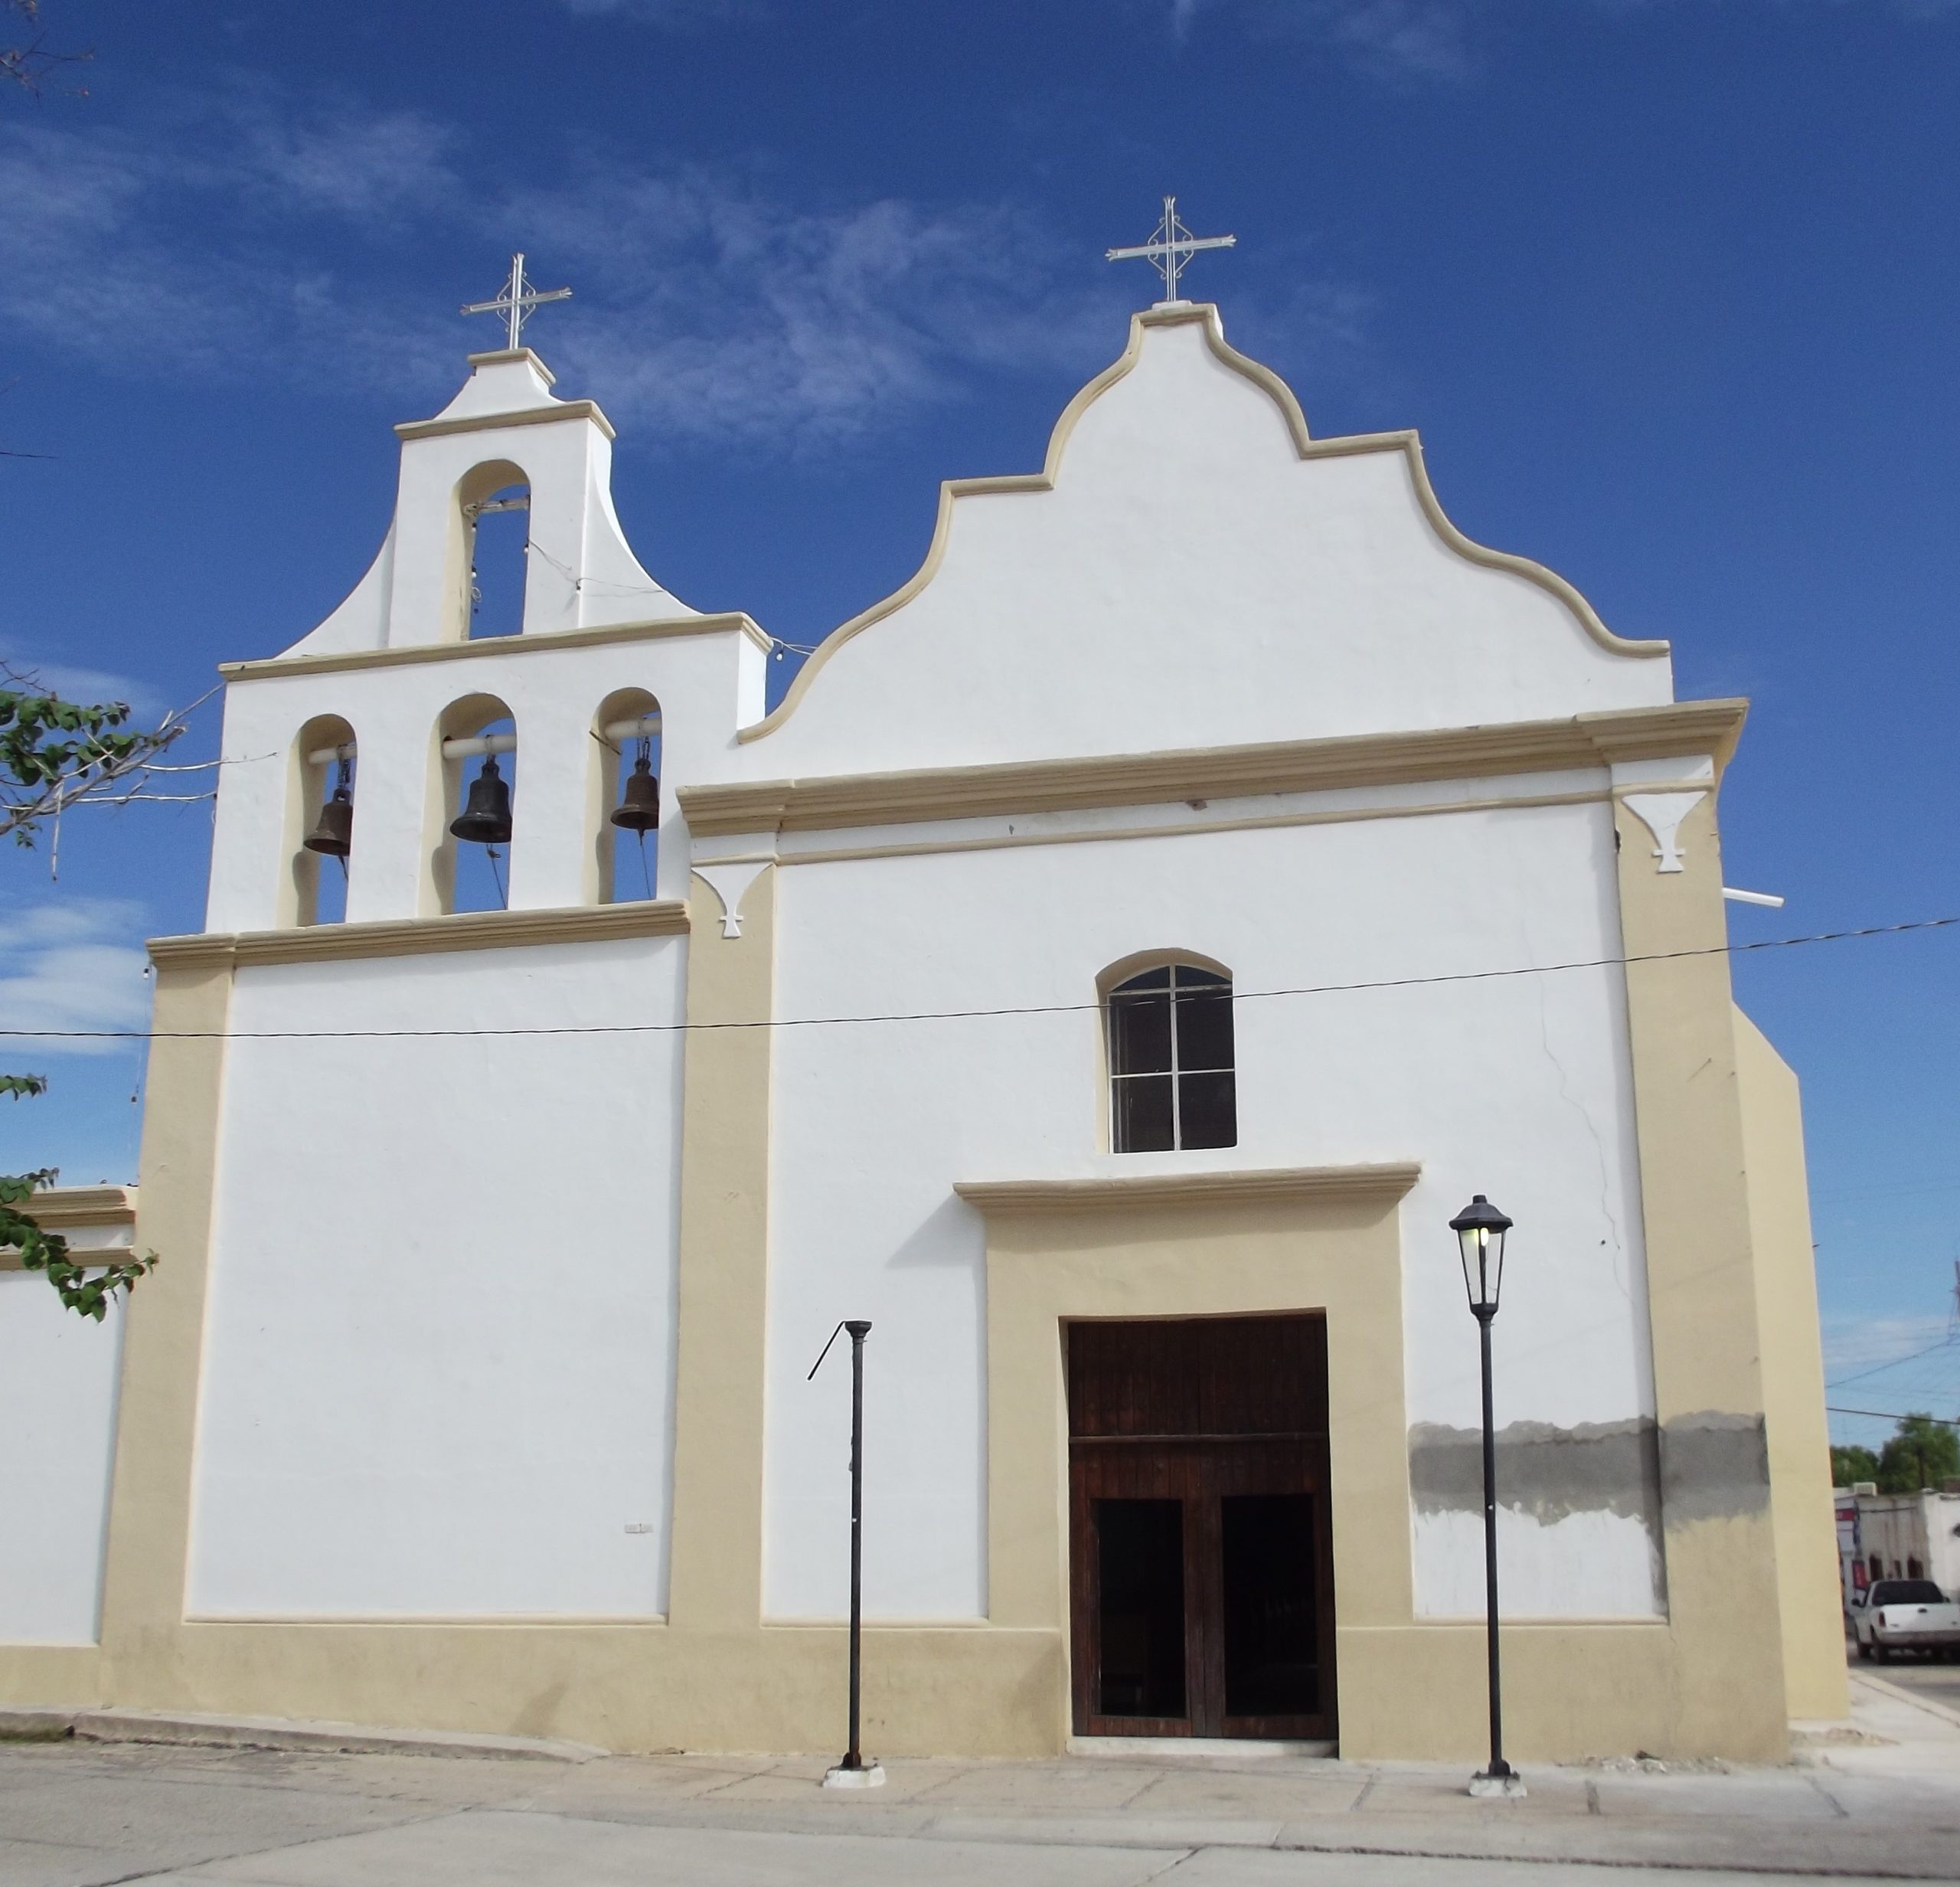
(643, 727)
(1753, 897)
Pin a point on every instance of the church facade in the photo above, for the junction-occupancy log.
(1107, 970)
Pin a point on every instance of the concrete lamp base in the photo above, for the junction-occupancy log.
(872, 1775)
(1512, 1787)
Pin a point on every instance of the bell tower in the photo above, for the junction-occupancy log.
(545, 725)
(505, 427)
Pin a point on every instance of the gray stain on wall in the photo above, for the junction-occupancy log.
(1697, 1467)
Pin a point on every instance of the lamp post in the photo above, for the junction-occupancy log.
(852, 1770)
(1480, 1229)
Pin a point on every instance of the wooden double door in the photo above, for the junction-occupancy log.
(1201, 1561)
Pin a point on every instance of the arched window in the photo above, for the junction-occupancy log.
(475, 767)
(625, 817)
(318, 844)
(494, 511)
(1171, 1083)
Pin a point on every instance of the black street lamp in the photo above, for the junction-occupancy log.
(1480, 1228)
(852, 1770)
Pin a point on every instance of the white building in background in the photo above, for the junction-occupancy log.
(1898, 1536)
(497, 1242)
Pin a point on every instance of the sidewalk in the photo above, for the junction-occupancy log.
(1878, 1799)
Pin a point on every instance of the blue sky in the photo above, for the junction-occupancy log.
(1668, 286)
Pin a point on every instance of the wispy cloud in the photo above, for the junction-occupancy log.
(730, 311)
(679, 15)
(347, 164)
(1444, 40)
(74, 963)
(1855, 1344)
(713, 304)
(139, 236)
(19, 669)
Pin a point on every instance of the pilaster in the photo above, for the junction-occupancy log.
(1718, 1541)
(715, 1580)
(149, 1516)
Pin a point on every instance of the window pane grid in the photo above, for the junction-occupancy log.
(1171, 1054)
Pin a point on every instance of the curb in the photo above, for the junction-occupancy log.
(1900, 1694)
(277, 1733)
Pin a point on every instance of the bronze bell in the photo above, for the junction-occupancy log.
(334, 835)
(638, 809)
(485, 818)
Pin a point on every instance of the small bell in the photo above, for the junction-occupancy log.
(638, 809)
(485, 818)
(334, 835)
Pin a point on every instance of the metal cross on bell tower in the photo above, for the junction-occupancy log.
(1170, 249)
(517, 302)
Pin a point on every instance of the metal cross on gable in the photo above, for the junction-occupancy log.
(1171, 248)
(517, 301)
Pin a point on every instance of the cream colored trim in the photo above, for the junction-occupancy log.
(511, 357)
(999, 841)
(656, 629)
(722, 1298)
(148, 1546)
(1276, 389)
(88, 1257)
(495, 422)
(1718, 1539)
(1120, 1193)
(410, 1621)
(1364, 760)
(423, 937)
(62, 1206)
(63, 1209)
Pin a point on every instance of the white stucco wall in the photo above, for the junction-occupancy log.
(1191, 581)
(58, 1376)
(438, 1363)
(1517, 1087)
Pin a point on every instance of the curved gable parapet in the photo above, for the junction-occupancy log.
(1183, 453)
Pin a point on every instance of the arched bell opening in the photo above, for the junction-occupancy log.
(623, 804)
(474, 763)
(492, 549)
(318, 840)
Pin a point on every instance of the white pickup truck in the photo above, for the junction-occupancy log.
(1906, 1615)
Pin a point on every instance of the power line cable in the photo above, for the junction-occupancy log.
(1878, 1369)
(1894, 1415)
(944, 1015)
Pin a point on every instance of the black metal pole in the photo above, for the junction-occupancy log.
(1499, 1767)
(852, 1756)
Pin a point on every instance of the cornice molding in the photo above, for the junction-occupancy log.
(62, 1206)
(66, 1209)
(1205, 314)
(495, 422)
(1125, 1191)
(657, 629)
(1346, 761)
(422, 936)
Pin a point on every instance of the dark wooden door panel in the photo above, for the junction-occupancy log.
(1198, 1486)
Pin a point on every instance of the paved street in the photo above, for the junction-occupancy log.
(1879, 1801)
(1939, 1682)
